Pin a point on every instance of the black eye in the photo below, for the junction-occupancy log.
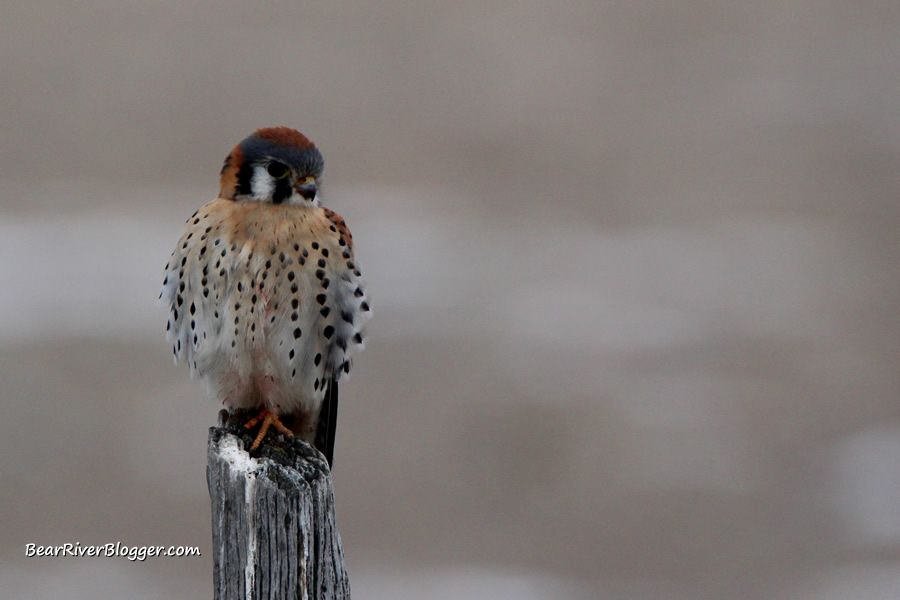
(277, 170)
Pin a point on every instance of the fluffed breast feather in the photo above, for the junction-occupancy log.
(265, 301)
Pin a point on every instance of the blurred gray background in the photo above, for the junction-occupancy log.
(634, 267)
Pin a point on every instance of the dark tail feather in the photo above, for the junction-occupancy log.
(328, 423)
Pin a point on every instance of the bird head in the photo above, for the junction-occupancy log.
(278, 165)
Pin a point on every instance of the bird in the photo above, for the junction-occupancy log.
(266, 303)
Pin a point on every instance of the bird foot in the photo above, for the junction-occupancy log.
(268, 419)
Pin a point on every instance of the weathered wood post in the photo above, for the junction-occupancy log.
(274, 532)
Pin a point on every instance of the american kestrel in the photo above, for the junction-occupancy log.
(266, 303)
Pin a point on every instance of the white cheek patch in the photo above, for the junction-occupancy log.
(262, 184)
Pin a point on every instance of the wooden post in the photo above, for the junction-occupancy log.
(274, 532)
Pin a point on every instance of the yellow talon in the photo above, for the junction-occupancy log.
(268, 419)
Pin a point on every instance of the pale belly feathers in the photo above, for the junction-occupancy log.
(265, 303)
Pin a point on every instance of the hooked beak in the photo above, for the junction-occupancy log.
(306, 187)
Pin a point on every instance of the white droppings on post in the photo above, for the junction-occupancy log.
(243, 466)
(250, 566)
(237, 457)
